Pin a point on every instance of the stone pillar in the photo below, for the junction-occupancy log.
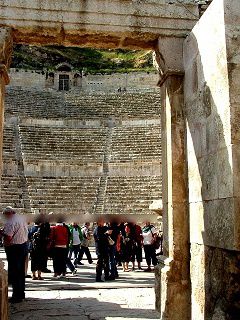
(5, 57)
(212, 104)
(172, 276)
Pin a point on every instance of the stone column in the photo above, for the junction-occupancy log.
(212, 107)
(172, 276)
(5, 57)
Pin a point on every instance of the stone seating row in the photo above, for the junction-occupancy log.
(64, 194)
(54, 105)
(11, 192)
(132, 143)
(62, 143)
(131, 194)
(9, 144)
(123, 194)
(127, 143)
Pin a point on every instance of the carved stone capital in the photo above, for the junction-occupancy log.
(169, 57)
(6, 46)
(167, 74)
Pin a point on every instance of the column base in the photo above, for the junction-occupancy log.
(172, 294)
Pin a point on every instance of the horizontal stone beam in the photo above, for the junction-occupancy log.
(97, 23)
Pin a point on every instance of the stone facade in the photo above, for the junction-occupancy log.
(130, 82)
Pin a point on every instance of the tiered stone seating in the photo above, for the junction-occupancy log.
(123, 105)
(128, 195)
(63, 144)
(136, 144)
(131, 145)
(63, 195)
(34, 104)
(11, 193)
(9, 145)
(56, 105)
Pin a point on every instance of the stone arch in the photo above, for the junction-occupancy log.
(64, 67)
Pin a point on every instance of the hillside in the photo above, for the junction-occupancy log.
(89, 60)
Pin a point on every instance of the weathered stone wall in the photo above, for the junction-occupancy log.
(135, 81)
(211, 101)
(27, 78)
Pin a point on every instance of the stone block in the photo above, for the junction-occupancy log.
(219, 223)
(217, 175)
(196, 136)
(215, 282)
(197, 226)
(208, 171)
(197, 274)
(215, 223)
(236, 222)
(235, 117)
(225, 173)
(125, 24)
(194, 179)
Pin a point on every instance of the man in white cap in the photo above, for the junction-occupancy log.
(15, 233)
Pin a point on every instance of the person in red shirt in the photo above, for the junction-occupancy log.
(60, 240)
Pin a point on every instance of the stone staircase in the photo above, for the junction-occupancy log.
(99, 207)
(103, 181)
(20, 172)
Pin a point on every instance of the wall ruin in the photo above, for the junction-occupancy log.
(133, 82)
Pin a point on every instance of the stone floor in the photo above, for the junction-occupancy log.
(80, 297)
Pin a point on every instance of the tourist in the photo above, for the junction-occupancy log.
(127, 247)
(101, 234)
(60, 239)
(39, 242)
(118, 248)
(69, 263)
(75, 240)
(149, 235)
(85, 244)
(47, 230)
(27, 257)
(122, 233)
(115, 231)
(137, 246)
(15, 234)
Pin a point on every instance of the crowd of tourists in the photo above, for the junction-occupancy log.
(117, 244)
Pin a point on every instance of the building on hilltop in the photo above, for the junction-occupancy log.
(65, 78)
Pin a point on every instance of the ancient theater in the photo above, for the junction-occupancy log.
(157, 139)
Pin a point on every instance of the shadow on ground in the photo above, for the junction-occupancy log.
(57, 306)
